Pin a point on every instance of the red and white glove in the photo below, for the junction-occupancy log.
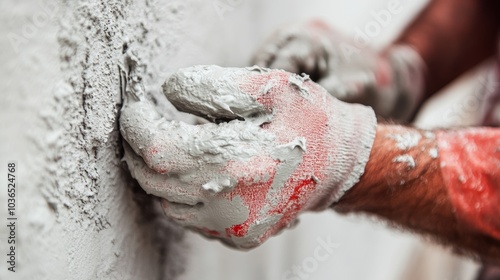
(278, 144)
(392, 83)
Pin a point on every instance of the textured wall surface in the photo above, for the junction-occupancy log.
(80, 214)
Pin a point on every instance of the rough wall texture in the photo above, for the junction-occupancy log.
(80, 214)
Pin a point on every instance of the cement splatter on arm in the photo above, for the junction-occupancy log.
(444, 184)
(278, 145)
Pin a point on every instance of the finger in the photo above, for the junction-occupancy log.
(181, 213)
(287, 62)
(267, 54)
(348, 92)
(297, 56)
(191, 189)
(187, 203)
(161, 185)
(183, 199)
(132, 88)
(146, 132)
(212, 215)
(176, 147)
(213, 92)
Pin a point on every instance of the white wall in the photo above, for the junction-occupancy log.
(80, 214)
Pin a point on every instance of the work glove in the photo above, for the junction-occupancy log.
(277, 144)
(392, 82)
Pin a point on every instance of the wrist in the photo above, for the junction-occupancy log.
(353, 146)
(401, 158)
(431, 193)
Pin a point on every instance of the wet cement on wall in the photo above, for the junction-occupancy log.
(81, 215)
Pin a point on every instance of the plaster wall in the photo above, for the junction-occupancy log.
(80, 216)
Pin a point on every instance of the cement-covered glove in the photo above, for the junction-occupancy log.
(391, 82)
(278, 144)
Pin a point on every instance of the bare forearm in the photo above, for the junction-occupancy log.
(453, 36)
(403, 184)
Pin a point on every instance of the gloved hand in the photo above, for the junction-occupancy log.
(278, 144)
(392, 82)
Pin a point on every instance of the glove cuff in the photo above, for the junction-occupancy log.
(354, 128)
